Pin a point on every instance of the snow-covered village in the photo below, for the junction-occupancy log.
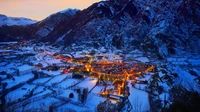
(100, 56)
(41, 77)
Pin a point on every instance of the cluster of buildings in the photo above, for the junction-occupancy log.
(116, 72)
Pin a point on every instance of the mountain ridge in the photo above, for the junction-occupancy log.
(18, 21)
(36, 30)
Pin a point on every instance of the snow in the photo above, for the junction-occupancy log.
(11, 71)
(163, 97)
(88, 83)
(165, 86)
(39, 89)
(101, 4)
(98, 89)
(24, 68)
(140, 86)
(69, 10)
(197, 71)
(138, 100)
(66, 93)
(147, 8)
(102, 49)
(67, 107)
(142, 59)
(44, 92)
(78, 55)
(41, 80)
(176, 59)
(29, 48)
(61, 38)
(19, 93)
(179, 63)
(12, 65)
(3, 76)
(112, 10)
(8, 42)
(161, 74)
(186, 79)
(136, 56)
(5, 51)
(46, 59)
(18, 80)
(53, 61)
(68, 82)
(56, 79)
(51, 73)
(43, 31)
(3, 63)
(10, 21)
(93, 100)
(42, 105)
(146, 77)
(183, 61)
(194, 62)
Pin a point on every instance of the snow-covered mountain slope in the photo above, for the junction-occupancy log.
(161, 27)
(37, 30)
(44, 27)
(10, 21)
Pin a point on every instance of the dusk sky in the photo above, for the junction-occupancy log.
(40, 9)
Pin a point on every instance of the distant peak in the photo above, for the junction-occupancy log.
(10, 21)
(1, 15)
(69, 10)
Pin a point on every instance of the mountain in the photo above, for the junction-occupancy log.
(10, 21)
(161, 27)
(44, 27)
(37, 30)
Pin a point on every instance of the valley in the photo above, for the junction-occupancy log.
(40, 76)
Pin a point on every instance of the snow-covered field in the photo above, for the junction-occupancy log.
(93, 100)
(139, 100)
(41, 80)
(40, 105)
(88, 83)
(98, 89)
(68, 82)
(70, 107)
(51, 73)
(39, 89)
(18, 80)
(56, 80)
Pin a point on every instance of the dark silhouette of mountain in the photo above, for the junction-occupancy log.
(37, 30)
